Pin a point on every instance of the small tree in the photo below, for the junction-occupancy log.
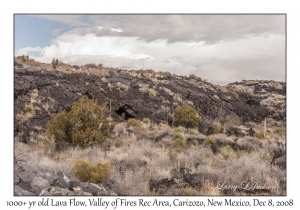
(186, 116)
(85, 125)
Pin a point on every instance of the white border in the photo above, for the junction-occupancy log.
(212, 6)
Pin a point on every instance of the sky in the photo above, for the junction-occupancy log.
(219, 48)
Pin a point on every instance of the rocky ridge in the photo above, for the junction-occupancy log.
(147, 95)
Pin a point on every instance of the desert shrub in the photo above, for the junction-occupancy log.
(231, 120)
(85, 125)
(100, 66)
(156, 135)
(35, 91)
(177, 97)
(193, 76)
(118, 85)
(194, 142)
(180, 139)
(24, 58)
(210, 140)
(55, 63)
(146, 121)
(179, 129)
(280, 131)
(227, 152)
(29, 110)
(259, 135)
(189, 191)
(149, 91)
(216, 127)
(134, 122)
(186, 116)
(85, 171)
(179, 135)
(112, 73)
(180, 143)
(76, 67)
(91, 65)
(194, 132)
(163, 123)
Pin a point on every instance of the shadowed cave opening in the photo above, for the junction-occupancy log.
(127, 110)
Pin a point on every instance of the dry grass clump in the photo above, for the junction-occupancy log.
(34, 93)
(163, 123)
(194, 132)
(131, 183)
(121, 86)
(29, 110)
(134, 122)
(156, 135)
(168, 91)
(85, 171)
(149, 91)
(146, 121)
(155, 80)
(216, 127)
(103, 79)
(177, 97)
(259, 135)
(210, 140)
(227, 152)
(281, 131)
(188, 191)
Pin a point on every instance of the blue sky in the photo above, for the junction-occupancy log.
(32, 31)
(234, 47)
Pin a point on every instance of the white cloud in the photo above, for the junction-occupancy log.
(26, 50)
(255, 57)
(179, 28)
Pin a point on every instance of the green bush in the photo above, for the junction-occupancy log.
(227, 152)
(156, 135)
(85, 125)
(186, 116)
(180, 143)
(85, 171)
(35, 91)
(180, 139)
(194, 143)
(179, 135)
(194, 132)
(189, 191)
(216, 127)
(29, 110)
(146, 121)
(210, 140)
(163, 124)
(23, 58)
(231, 120)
